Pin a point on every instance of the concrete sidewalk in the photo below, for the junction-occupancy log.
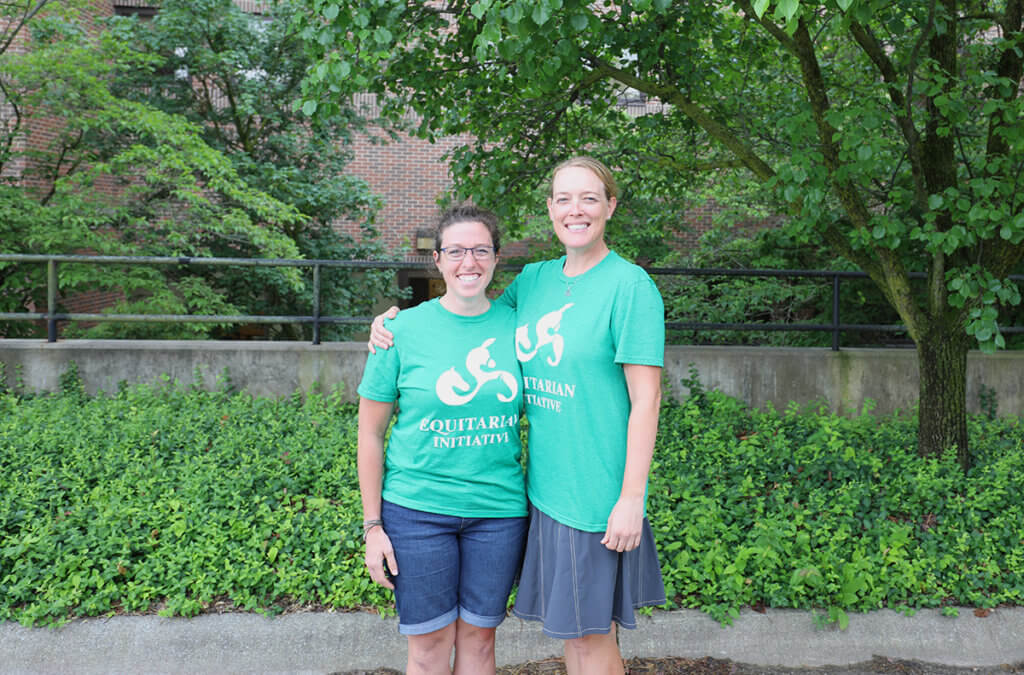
(333, 642)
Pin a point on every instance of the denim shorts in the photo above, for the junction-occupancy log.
(451, 567)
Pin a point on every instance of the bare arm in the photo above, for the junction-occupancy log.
(383, 338)
(625, 524)
(379, 335)
(374, 417)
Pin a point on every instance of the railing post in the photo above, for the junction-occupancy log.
(51, 300)
(316, 304)
(835, 312)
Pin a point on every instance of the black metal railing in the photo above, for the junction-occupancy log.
(51, 316)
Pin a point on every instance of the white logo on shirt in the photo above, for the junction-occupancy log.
(547, 334)
(453, 390)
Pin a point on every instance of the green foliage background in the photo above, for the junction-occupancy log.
(893, 131)
(175, 137)
(159, 498)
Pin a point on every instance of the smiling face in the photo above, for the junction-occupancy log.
(579, 207)
(468, 278)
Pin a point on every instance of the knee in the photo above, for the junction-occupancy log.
(591, 645)
(470, 639)
(431, 653)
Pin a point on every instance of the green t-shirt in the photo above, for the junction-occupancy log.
(573, 335)
(454, 448)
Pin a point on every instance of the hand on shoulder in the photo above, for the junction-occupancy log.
(379, 335)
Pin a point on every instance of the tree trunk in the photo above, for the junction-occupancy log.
(942, 410)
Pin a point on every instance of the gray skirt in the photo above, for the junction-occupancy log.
(577, 587)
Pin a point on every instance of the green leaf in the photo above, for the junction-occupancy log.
(513, 13)
(491, 34)
(331, 12)
(787, 9)
(341, 69)
(541, 13)
(508, 49)
(309, 107)
(479, 8)
(759, 7)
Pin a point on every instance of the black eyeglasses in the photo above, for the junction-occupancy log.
(459, 252)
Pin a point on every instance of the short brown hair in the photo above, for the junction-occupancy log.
(468, 213)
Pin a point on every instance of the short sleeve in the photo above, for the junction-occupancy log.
(509, 296)
(380, 375)
(638, 323)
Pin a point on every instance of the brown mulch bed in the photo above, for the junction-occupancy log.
(710, 666)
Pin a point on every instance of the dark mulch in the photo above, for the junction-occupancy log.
(710, 666)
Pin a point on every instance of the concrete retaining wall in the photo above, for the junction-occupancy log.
(842, 380)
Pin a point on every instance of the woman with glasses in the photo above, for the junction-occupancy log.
(445, 507)
(590, 338)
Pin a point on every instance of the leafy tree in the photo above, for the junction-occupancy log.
(235, 75)
(93, 172)
(893, 131)
(101, 165)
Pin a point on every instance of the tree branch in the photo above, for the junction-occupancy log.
(781, 36)
(29, 13)
(888, 270)
(1011, 67)
(675, 97)
(10, 132)
(876, 53)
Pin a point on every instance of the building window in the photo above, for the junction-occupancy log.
(143, 11)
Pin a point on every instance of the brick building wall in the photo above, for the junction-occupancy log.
(410, 176)
(39, 132)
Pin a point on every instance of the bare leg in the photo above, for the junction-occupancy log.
(431, 653)
(593, 655)
(474, 649)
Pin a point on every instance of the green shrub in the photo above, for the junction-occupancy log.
(159, 498)
(810, 510)
(183, 501)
